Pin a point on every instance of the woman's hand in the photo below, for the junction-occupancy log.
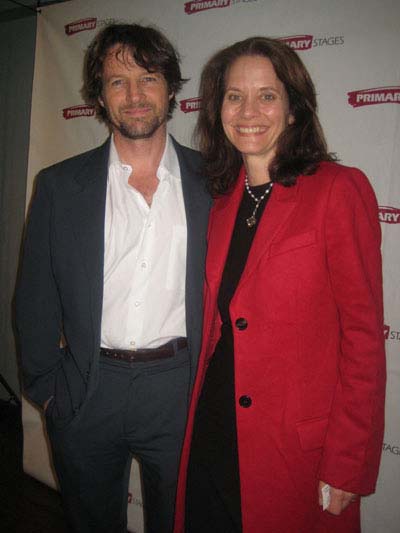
(339, 499)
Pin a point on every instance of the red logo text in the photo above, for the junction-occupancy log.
(78, 111)
(298, 42)
(80, 25)
(389, 215)
(379, 95)
(195, 6)
(190, 105)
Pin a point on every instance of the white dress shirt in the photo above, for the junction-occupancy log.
(144, 258)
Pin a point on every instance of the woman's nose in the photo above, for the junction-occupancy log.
(249, 107)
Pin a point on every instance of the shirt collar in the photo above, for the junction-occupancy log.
(169, 164)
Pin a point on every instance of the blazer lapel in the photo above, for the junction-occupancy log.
(197, 205)
(87, 211)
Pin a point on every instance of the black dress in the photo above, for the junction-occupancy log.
(213, 484)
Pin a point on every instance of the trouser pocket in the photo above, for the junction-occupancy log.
(70, 391)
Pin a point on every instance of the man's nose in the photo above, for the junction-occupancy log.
(134, 91)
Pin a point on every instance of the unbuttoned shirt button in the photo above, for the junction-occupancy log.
(245, 401)
(241, 323)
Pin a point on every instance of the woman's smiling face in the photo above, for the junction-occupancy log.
(255, 109)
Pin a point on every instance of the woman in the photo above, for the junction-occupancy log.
(289, 394)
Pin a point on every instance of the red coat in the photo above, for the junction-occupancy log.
(310, 359)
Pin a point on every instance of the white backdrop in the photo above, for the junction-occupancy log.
(351, 50)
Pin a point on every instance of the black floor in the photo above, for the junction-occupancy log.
(26, 505)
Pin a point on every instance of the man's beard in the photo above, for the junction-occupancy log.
(139, 128)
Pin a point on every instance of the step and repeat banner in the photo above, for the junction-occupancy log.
(351, 48)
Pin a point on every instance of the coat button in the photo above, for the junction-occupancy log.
(241, 323)
(245, 401)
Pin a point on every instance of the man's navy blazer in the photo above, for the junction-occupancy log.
(60, 288)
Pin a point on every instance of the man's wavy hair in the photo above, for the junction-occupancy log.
(300, 147)
(149, 48)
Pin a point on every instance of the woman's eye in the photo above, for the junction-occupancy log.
(233, 97)
(267, 97)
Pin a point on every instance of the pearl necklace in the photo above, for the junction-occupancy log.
(251, 221)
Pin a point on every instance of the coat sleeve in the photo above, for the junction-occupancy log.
(353, 442)
(38, 307)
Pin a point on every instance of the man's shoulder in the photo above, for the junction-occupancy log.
(189, 157)
(189, 152)
(74, 164)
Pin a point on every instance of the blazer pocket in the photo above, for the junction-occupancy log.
(292, 243)
(312, 433)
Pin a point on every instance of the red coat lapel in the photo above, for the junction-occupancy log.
(222, 221)
(275, 217)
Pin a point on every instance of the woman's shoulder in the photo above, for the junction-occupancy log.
(332, 174)
(337, 183)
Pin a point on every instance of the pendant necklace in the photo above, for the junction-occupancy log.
(251, 221)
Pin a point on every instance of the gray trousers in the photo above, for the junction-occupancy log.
(138, 409)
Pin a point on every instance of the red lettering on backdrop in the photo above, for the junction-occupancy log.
(78, 111)
(80, 25)
(201, 5)
(377, 95)
(298, 42)
(190, 104)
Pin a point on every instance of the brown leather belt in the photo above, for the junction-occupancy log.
(146, 354)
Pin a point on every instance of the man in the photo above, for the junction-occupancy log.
(109, 296)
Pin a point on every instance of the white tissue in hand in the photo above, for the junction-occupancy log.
(326, 496)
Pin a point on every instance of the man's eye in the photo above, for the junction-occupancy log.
(116, 83)
(149, 79)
